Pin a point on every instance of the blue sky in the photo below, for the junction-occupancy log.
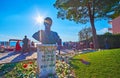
(17, 19)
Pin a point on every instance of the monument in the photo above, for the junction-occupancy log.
(46, 51)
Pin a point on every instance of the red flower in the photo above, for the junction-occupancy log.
(30, 62)
(25, 65)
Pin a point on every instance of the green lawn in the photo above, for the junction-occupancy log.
(103, 64)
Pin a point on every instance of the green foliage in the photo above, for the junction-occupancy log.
(107, 33)
(85, 33)
(78, 10)
(112, 40)
(103, 64)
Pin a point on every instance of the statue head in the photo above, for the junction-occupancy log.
(47, 23)
(25, 36)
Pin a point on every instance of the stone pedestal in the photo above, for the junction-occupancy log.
(46, 59)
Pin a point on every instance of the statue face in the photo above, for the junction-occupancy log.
(48, 21)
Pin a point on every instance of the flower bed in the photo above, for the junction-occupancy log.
(63, 70)
(28, 69)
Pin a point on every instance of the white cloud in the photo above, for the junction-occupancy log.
(102, 31)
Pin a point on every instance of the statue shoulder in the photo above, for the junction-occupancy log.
(38, 32)
(53, 32)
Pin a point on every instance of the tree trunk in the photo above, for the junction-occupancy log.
(95, 41)
(91, 16)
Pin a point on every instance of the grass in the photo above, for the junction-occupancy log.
(103, 64)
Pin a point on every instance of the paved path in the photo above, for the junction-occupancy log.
(8, 57)
(16, 56)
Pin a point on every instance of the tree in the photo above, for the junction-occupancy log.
(107, 33)
(83, 11)
(85, 34)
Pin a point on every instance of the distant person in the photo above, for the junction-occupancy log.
(106, 43)
(25, 44)
(32, 44)
(32, 47)
(46, 36)
(17, 47)
(91, 45)
(59, 45)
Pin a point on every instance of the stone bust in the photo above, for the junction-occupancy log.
(46, 36)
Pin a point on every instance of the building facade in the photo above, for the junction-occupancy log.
(115, 25)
